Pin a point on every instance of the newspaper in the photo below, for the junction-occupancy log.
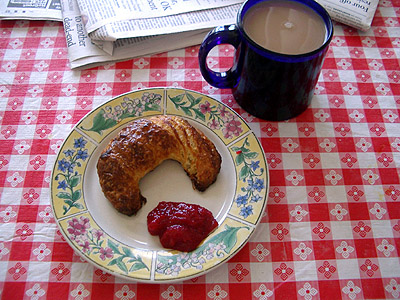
(84, 53)
(31, 9)
(104, 12)
(100, 31)
(355, 13)
(113, 40)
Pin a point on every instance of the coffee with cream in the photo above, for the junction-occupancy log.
(286, 27)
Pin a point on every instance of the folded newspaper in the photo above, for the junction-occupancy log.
(101, 31)
(104, 31)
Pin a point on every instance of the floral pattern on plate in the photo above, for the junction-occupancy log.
(252, 180)
(100, 248)
(219, 246)
(215, 115)
(76, 159)
(68, 175)
(121, 110)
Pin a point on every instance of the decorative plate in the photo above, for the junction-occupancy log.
(121, 245)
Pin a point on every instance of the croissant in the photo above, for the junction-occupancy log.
(143, 145)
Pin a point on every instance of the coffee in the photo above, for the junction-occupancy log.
(286, 27)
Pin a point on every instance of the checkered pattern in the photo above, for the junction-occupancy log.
(331, 229)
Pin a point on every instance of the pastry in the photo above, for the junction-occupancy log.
(143, 145)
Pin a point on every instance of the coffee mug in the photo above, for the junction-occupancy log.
(274, 72)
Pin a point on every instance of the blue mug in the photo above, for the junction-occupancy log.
(267, 84)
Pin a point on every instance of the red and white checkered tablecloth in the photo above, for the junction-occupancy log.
(331, 229)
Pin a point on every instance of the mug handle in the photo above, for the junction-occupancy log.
(228, 34)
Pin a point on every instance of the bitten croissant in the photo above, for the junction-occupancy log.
(142, 146)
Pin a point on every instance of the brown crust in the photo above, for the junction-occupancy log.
(144, 144)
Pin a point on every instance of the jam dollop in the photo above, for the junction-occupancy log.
(180, 226)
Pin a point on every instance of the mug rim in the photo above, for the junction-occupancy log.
(322, 13)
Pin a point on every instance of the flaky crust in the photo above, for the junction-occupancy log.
(143, 145)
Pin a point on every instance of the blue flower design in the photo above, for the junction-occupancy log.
(64, 166)
(80, 143)
(82, 154)
(246, 211)
(69, 152)
(241, 200)
(259, 184)
(255, 198)
(69, 185)
(250, 185)
(62, 185)
(254, 165)
(249, 173)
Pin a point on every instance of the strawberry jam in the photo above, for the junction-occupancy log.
(180, 226)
